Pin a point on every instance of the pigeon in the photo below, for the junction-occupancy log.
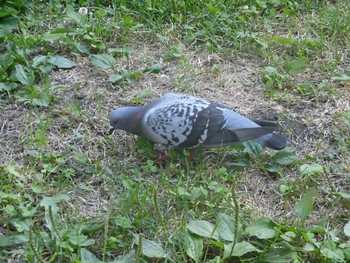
(184, 122)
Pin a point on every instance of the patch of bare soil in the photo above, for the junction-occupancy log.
(231, 80)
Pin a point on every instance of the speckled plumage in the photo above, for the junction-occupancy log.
(184, 121)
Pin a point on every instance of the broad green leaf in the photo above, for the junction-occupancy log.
(330, 250)
(53, 36)
(163, 39)
(225, 227)
(309, 247)
(273, 168)
(286, 156)
(288, 236)
(24, 224)
(45, 68)
(285, 187)
(6, 11)
(297, 66)
(341, 77)
(81, 240)
(41, 138)
(100, 13)
(174, 52)
(212, 9)
(263, 228)
(132, 76)
(10, 210)
(130, 257)
(239, 250)
(156, 68)
(87, 256)
(145, 92)
(77, 239)
(40, 59)
(7, 87)
(128, 21)
(12, 170)
(6, 34)
(311, 169)
(23, 77)
(346, 249)
(262, 43)
(347, 229)
(63, 30)
(36, 188)
(82, 48)
(13, 240)
(123, 222)
(253, 147)
(10, 196)
(6, 60)
(120, 51)
(52, 201)
(103, 61)
(114, 78)
(78, 18)
(61, 62)
(334, 233)
(150, 248)
(203, 228)
(188, 38)
(304, 207)
(41, 100)
(271, 70)
(9, 23)
(193, 246)
(217, 259)
(281, 256)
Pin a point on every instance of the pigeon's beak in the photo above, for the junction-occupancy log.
(111, 130)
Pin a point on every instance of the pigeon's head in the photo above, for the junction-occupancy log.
(124, 118)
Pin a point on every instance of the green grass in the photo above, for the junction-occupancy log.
(71, 193)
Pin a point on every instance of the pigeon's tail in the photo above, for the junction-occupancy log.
(227, 137)
(245, 134)
(273, 140)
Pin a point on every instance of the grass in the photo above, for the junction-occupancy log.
(71, 193)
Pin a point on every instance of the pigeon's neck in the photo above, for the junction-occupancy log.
(132, 119)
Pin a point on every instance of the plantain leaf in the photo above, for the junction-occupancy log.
(304, 207)
(194, 246)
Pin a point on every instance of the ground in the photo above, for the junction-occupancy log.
(122, 186)
(232, 79)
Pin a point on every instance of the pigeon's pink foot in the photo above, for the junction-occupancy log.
(164, 155)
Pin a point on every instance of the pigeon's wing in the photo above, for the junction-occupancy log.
(208, 122)
(210, 129)
(179, 124)
(187, 125)
(265, 123)
(237, 128)
(185, 122)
